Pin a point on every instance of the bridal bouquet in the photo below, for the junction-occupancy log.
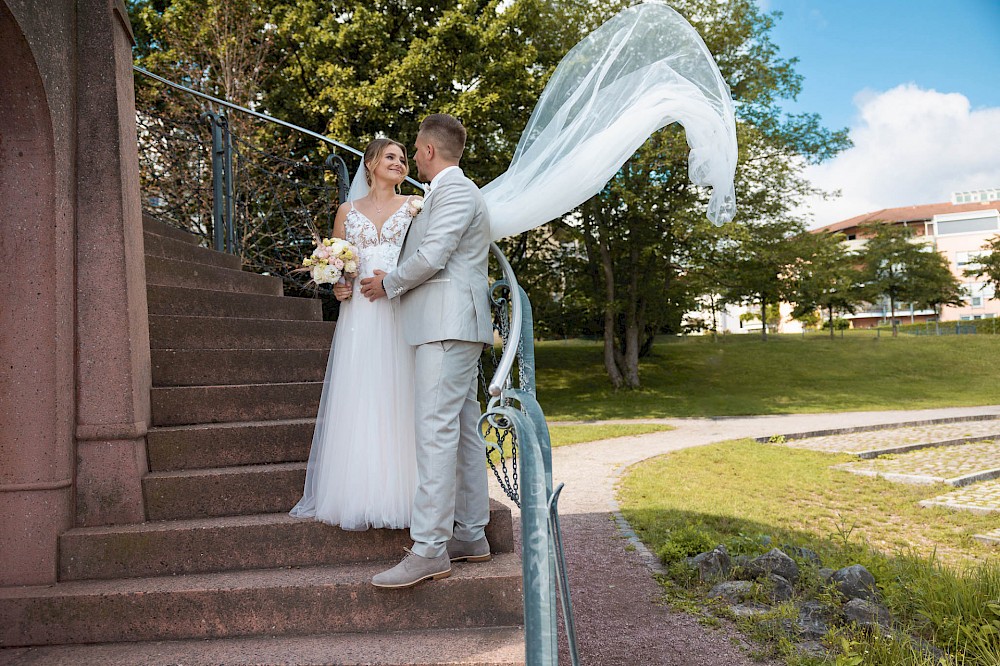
(333, 260)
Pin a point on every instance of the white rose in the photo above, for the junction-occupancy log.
(351, 267)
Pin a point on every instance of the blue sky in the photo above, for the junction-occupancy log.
(849, 46)
(918, 84)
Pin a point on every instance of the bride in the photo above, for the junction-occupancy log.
(362, 466)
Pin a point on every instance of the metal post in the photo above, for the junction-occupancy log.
(335, 162)
(218, 166)
(228, 208)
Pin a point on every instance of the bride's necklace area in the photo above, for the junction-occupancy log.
(378, 208)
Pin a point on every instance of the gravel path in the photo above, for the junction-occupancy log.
(619, 619)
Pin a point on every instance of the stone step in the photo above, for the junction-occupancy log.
(981, 497)
(224, 491)
(991, 538)
(229, 444)
(208, 367)
(175, 332)
(153, 226)
(164, 300)
(174, 273)
(489, 646)
(272, 602)
(875, 442)
(262, 541)
(155, 245)
(957, 465)
(187, 405)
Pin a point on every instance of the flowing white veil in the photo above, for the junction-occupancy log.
(359, 186)
(645, 68)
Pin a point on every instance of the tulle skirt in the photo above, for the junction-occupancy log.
(362, 466)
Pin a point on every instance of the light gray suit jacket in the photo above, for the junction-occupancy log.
(441, 278)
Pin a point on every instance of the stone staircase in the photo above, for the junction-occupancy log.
(220, 573)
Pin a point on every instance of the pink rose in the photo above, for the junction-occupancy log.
(338, 264)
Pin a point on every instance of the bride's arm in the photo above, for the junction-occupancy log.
(342, 291)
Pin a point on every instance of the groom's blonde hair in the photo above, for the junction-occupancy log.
(446, 133)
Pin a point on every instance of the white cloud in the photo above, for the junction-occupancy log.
(911, 146)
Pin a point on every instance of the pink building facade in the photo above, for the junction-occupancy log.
(958, 230)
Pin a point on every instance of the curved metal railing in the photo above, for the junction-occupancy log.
(258, 114)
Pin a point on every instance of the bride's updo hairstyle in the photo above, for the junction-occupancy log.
(374, 152)
(446, 133)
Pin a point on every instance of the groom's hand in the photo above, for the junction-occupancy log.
(371, 288)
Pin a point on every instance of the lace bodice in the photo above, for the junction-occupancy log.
(377, 250)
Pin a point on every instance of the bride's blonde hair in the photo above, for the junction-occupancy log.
(374, 152)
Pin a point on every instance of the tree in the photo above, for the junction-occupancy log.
(764, 265)
(355, 69)
(828, 279)
(903, 271)
(933, 283)
(987, 264)
(645, 233)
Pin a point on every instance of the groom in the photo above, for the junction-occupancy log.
(442, 287)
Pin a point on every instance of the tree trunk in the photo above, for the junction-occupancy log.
(763, 319)
(632, 315)
(830, 310)
(611, 354)
(715, 319)
(892, 313)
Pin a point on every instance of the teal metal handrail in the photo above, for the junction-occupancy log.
(515, 411)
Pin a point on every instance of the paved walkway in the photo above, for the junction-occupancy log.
(619, 616)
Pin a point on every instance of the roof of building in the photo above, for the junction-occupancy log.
(921, 213)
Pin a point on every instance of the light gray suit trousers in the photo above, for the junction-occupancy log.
(441, 281)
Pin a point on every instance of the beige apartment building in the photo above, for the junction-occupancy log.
(958, 230)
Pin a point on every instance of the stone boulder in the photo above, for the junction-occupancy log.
(778, 588)
(712, 565)
(802, 554)
(856, 582)
(776, 562)
(732, 591)
(866, 614)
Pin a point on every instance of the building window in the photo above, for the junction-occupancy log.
(970, 225)
(851, 236)
(969, 259)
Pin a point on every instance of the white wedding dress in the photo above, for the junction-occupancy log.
(362, 469)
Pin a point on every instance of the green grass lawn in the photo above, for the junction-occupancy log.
(742, 375)
(744, 487)
(939, 583)
(562, 435)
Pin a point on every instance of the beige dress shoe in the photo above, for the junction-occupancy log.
(469, 551)
(412, 570)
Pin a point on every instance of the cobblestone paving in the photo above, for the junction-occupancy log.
(858, 442)
(992, 538)
(934, 464)
(983, 497)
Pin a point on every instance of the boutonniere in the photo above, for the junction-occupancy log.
(416, 205)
